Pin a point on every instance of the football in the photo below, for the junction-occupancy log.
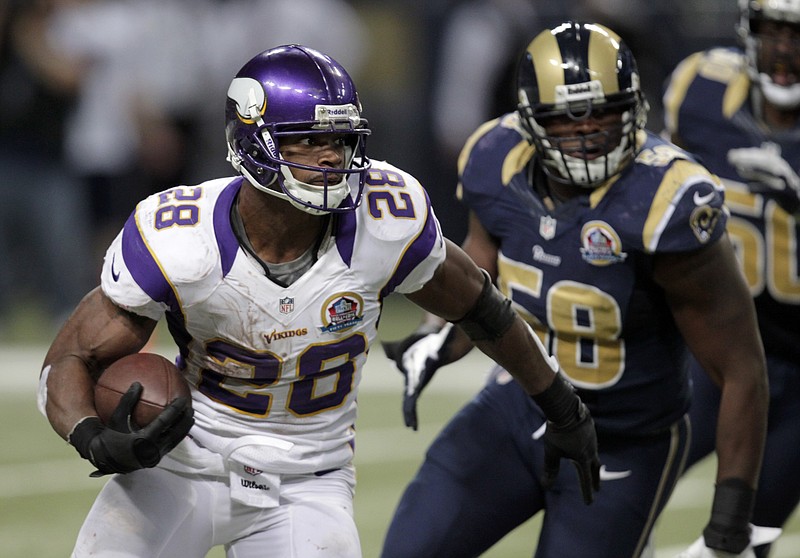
(161, 382)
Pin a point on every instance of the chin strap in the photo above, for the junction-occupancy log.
(273, 192)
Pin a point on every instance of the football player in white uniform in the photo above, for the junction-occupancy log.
(272, 284)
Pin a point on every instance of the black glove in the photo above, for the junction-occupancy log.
(418, 357)
(119, 448)
(729, 527)
(570, 434)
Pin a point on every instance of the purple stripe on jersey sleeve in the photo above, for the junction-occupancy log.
(345, 235)
(226, 239)
(143, 267)
(419, 250)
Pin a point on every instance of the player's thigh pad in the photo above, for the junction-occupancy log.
(139, 514)
(315, 519)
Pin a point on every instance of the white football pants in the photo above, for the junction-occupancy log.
(155, 513)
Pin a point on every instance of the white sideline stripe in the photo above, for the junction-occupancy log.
(374, 447)
(47, 477)
(21, 367)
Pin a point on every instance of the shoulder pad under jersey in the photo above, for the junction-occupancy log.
(496, 152)
(706, 85)
(178, 240)
(681, 202)
(394, 239)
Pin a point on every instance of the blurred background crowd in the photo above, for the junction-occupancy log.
(105, 101)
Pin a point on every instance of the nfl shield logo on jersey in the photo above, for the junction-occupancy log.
(286, 305)
(547, 227)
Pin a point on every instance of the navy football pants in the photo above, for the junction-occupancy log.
(480, 480)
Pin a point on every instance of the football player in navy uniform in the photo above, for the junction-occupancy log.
(611, 243)
(272, 284)
(739, 110)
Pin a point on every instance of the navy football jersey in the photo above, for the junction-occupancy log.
(581, 273)
(708, 107)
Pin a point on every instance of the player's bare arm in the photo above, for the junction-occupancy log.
(715, 313)
(716, 316)
(460, 292)
(483, 251)
(453, 292)
(98, 333)
(480, 246)
(436, 343)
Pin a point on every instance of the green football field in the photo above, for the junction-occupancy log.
(45, 490)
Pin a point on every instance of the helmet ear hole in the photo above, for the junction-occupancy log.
(253, 150)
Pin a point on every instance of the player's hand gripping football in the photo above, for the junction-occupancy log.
(120, 448)
(570, 434)
(418, 357)
(764, 166)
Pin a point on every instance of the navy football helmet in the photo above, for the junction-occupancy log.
(576, 70)
(752, 13)
(295, 90)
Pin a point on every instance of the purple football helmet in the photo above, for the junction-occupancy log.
(295, 90)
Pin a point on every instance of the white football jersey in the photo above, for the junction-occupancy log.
(272, 368)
